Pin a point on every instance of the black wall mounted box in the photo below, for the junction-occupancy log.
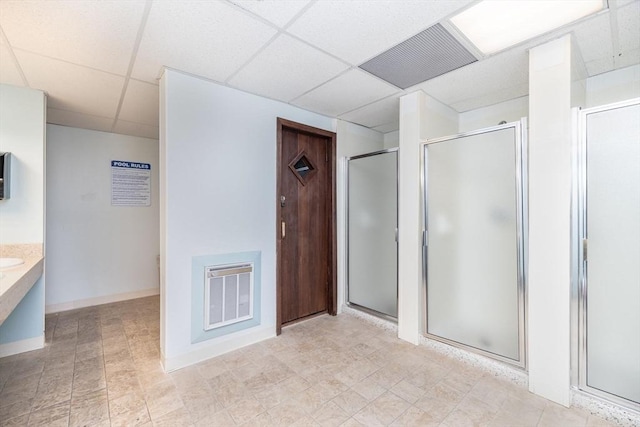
(5, 175)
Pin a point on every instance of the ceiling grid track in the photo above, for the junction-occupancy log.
(321, 84)
(132, 61)
(393, 95)
(14, 58)
(280, 31)
(345, 59)
(615, 43)
(252, 57)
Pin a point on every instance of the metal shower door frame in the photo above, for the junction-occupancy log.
(579, 294)
(521, 179)
(346, 287)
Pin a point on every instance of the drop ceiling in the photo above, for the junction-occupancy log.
(99, 61)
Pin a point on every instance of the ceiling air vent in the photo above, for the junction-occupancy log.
(426, 55)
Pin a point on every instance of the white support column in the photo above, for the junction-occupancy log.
(409, 245)
(550, 83)
(421, 117)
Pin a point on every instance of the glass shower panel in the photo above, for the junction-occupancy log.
(472, 252)
(372, 223)
(613, 259)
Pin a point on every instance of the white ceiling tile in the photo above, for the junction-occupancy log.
(389, 127)
(136, 129)
(361, 29)
(9, 73)
(594, 37)
(78, 120)
(492, 98)
(345, 93)
(629, 27)
(214, 39)
(378, 113)
(286, 69)
(599, 66)
(628, 58)
(211, 39)
(71, 87)
(507, 69)
(141, 103)
(278, 12)
(97, 34)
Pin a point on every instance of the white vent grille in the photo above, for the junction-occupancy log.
(228, 295)
(426, 55)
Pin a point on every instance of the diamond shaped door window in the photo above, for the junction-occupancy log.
(302, 168)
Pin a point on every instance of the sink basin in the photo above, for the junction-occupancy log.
(10, 262)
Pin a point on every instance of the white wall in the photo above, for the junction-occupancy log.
(508, 111)
(392, 139)
(606, 88)
(352, 140)
(97, 253)
(614, 86)
(22, 132)
(618, 85)
(218, 196)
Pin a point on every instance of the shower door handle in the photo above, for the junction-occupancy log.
(585, 246)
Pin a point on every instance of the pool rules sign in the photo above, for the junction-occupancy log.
(130, 183)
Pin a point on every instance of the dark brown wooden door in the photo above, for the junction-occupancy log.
(306, 226)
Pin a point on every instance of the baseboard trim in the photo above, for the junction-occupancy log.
(22, 346)
(218, 347)
(107, 299)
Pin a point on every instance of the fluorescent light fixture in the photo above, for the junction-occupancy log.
(493, 25)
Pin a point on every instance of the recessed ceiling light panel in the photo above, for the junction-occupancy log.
(424, 56)
(493, 25)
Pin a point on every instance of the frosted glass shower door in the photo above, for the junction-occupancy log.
(372, 223)
(612, 287)
(474, 248)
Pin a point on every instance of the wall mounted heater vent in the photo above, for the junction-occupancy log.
(228, 294)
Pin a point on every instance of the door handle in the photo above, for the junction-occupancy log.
(283, 229)
(585, 245)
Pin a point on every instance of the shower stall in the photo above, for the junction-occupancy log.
(474, 240)
(606, 246)
(372, 226)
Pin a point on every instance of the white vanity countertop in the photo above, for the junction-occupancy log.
(16, 281)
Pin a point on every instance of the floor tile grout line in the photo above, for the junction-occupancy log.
(104, 370)
(333, 333)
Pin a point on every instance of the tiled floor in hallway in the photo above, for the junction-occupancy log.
(101, 367)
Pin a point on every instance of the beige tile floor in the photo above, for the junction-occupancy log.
(101, 367)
